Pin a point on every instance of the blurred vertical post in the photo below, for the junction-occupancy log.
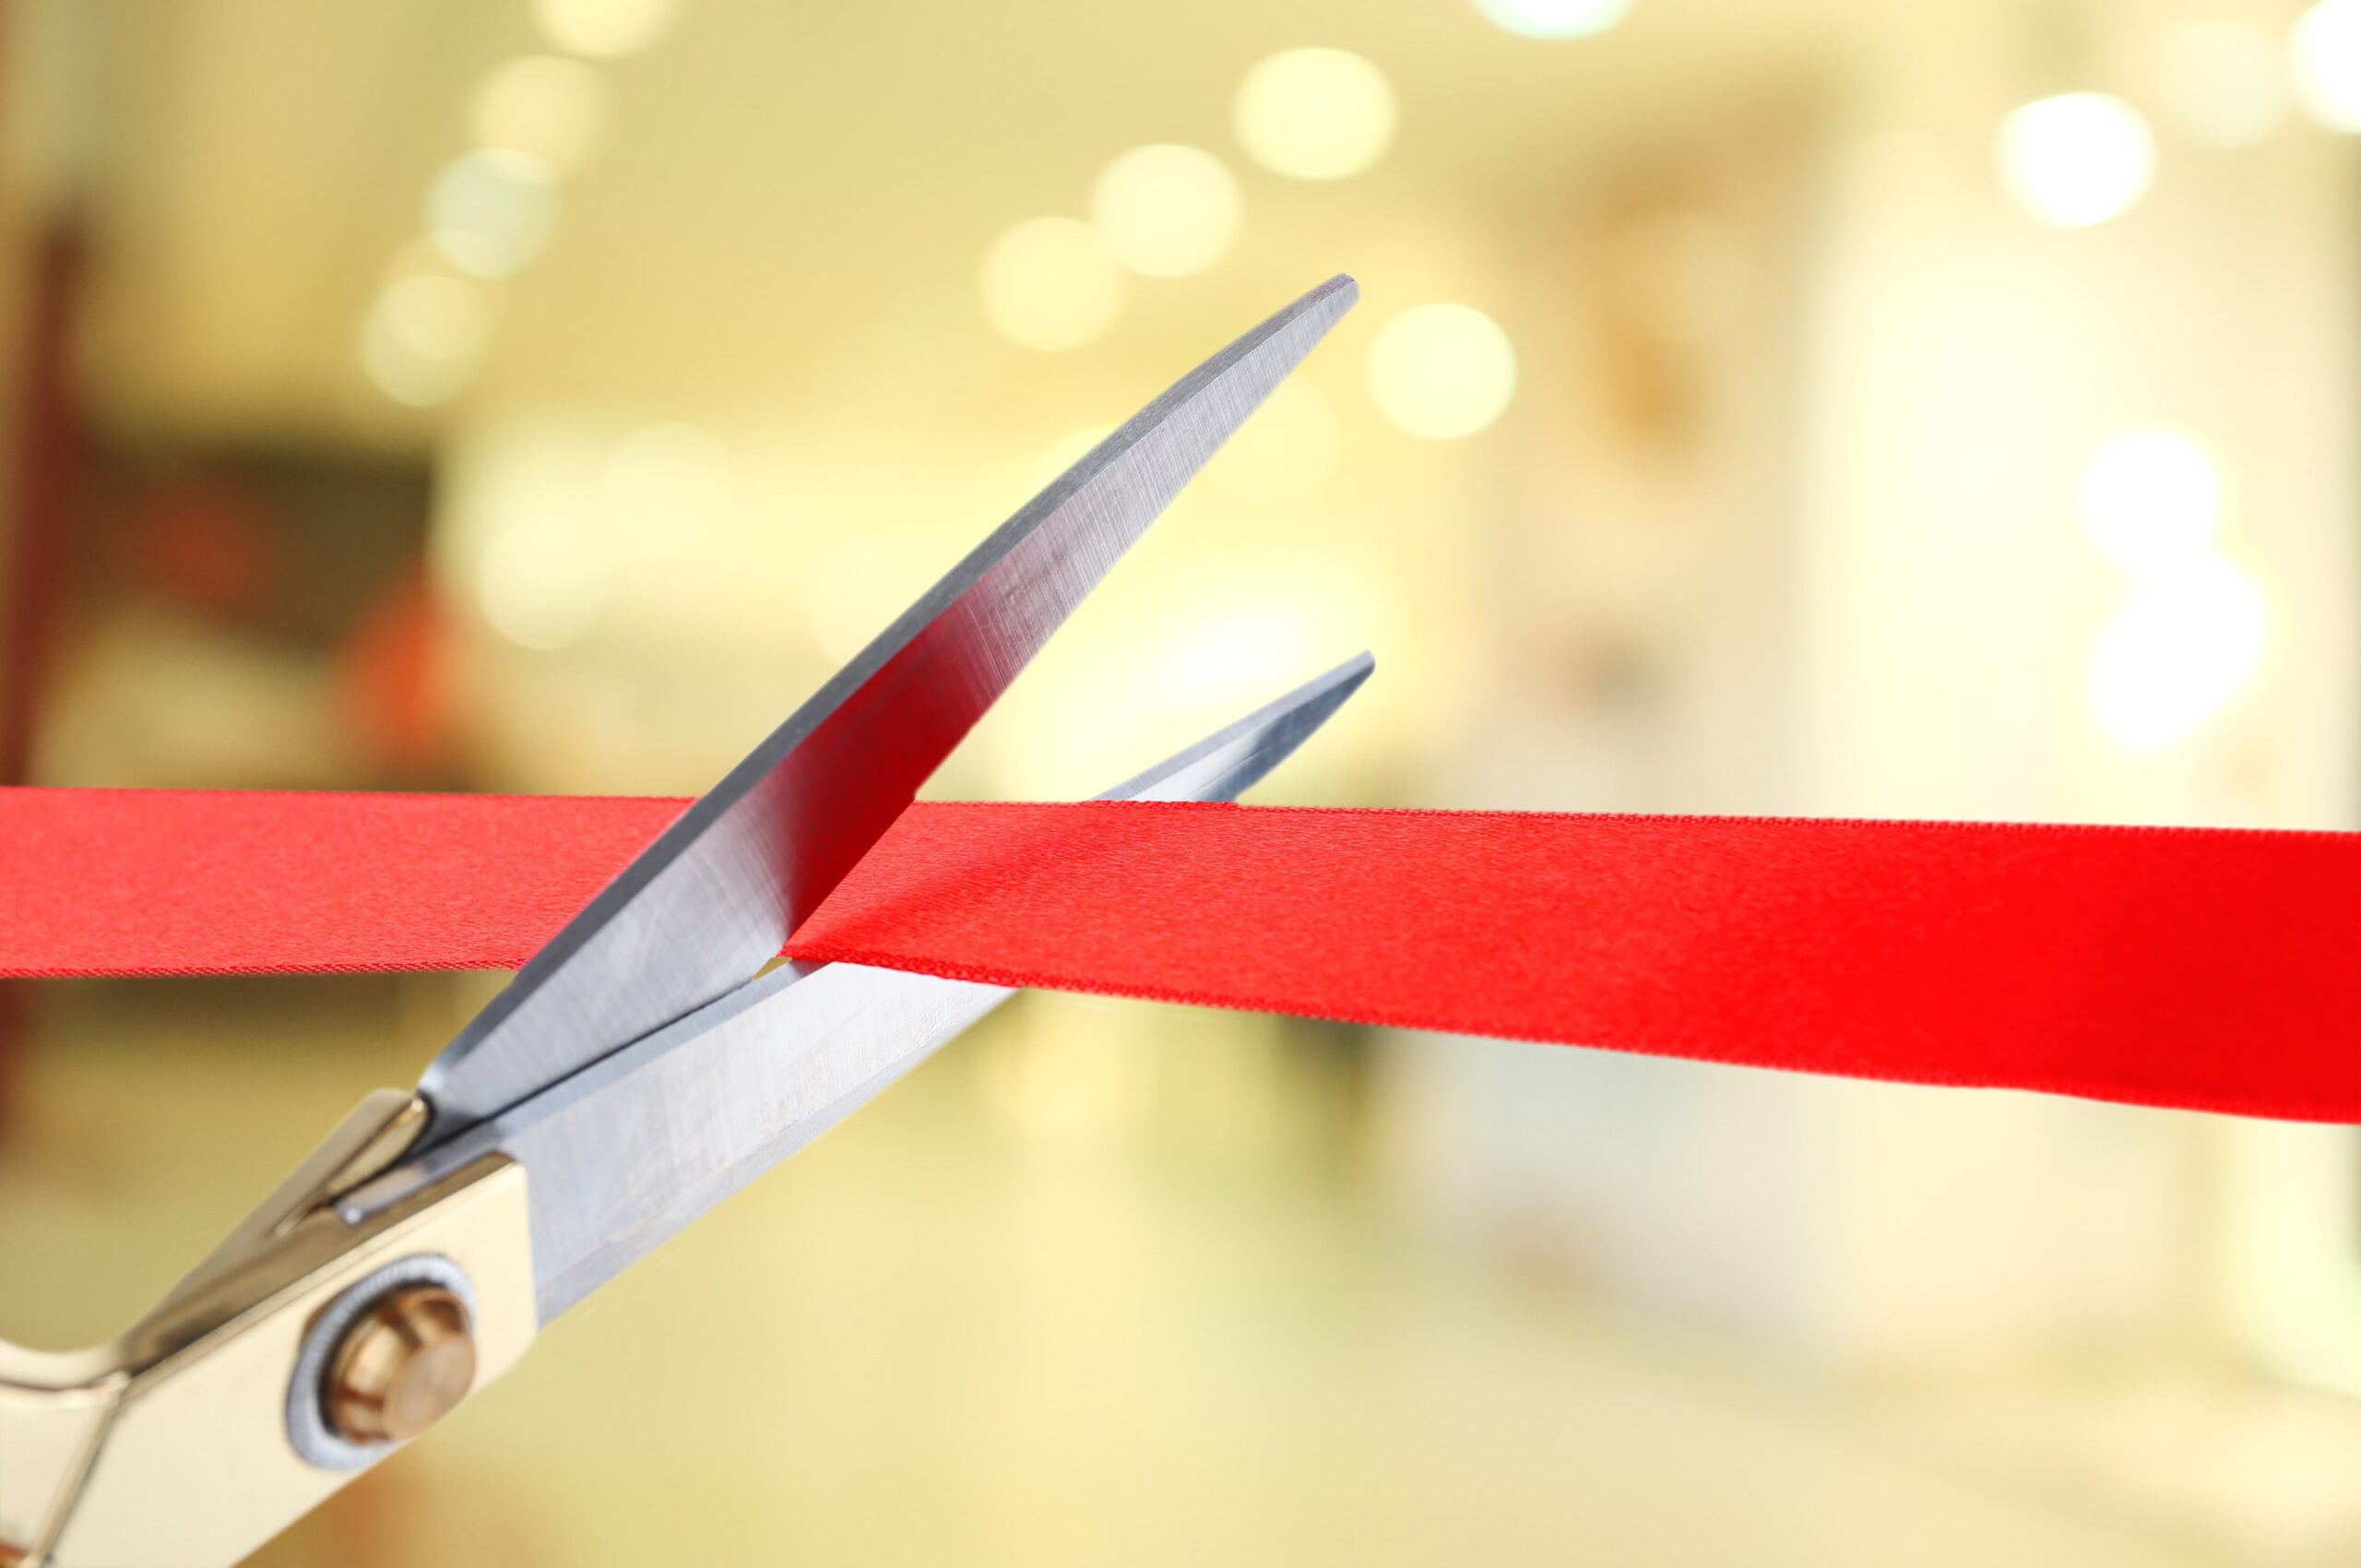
(41, 266)
(44, 483)
(43, 476)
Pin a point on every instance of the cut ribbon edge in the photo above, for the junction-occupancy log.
(2204, 969)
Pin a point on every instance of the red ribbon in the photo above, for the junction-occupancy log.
(227, 882)
(2215, 971)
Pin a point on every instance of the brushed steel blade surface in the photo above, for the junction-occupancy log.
(715, 895)
(629, 1150)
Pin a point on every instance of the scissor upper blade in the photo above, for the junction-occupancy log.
(718, 893)
(626, 1152)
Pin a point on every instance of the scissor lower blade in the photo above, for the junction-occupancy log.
(645, 1146)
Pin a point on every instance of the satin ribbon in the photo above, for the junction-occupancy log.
(2215, 971)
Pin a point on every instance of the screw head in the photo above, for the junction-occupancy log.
(404, 1365)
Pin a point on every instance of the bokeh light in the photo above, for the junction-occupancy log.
(422, 336)
(542, 582)
(1556, 19)
(1316, 114)
(2217, 82)
(544, 105)
(2150, 498)
(1166, 210)
(2185, 641)
(1442, 370)
(669, 489)
(2075, 159)
(402, 374)
(2325, 55)
(1048, 283)
(605, 29)
(1229, 660)
(490, 210)
(436, 317)
(2190, 631)
(1284, 451)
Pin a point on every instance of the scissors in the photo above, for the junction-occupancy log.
(637, 1070)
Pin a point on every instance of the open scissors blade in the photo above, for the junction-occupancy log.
(717, 895)
(627, 1152)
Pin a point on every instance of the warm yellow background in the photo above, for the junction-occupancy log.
(1791, 507)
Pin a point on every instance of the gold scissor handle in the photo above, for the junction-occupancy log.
(207, 1427)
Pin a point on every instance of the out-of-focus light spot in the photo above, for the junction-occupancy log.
(2186, 640)
(545, 105)
(1167, 210)
(422, 336)
(2191, 632)
(605, 29)
(1281, 453)
(1442, 370)
(419, 257)
(2076, 159)
(1049, 284)
(1314, 113)
(1234, 659)
(2217, 82)
(669, 489)
(1208, 644)
(490, 212)
(404, 376)
(2150, 499)
(859, 587)
(436, 319)
(541, 583)
(1556, 19)
(2325, 51)
(1066, 451)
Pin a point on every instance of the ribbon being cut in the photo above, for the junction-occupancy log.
(647, 1060)
(2211, 970)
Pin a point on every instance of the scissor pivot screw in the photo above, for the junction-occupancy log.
(403, 1366)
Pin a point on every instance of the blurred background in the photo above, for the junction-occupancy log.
(1811, 406)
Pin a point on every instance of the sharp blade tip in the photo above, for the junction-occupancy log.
(1342, 681)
